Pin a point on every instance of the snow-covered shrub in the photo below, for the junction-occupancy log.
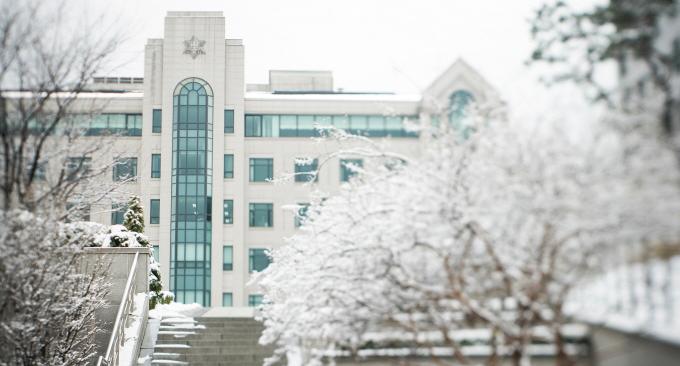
(133, 219)
(48, 306)
(490, 231)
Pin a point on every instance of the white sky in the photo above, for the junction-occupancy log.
(378, 45)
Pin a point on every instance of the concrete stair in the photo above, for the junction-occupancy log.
(210, 341)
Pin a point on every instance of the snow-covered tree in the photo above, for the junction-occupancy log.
(133, 219)
(47, 305)
(488, 232)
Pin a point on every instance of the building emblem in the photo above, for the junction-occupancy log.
(194, 47)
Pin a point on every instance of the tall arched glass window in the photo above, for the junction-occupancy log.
(191, 216)
(459, 101)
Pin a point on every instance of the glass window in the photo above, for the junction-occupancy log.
(155, 165)
(261, 169)
(253, 126)
(305, 170)
(358, 124)
(261, 215)
(341, 122)
(118, 213)
(347, 168)
(133, 124)
(270, 126)
(305, 126)
(254, 300)
(157, 253)
(157, 121)
(227, 299)
(301, 214)
(125, 169)
(117, 123)
(77, 167)
(258, 260)
(155, 214)
(228, 121)
(459, 102)
(227, 258)
(376, 126)
(394, 126)
(288, 126)
(228, 165)
(228, 206)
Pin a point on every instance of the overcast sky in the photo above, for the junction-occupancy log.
(379, 45)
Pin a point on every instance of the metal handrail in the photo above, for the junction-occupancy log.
(111, 356)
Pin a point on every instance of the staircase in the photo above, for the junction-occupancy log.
(209, 342)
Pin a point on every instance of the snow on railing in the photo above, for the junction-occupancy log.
(641, 297)
(117, 335)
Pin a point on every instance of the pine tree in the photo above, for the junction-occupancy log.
(134, 216)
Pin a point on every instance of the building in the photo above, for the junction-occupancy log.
(203, 144)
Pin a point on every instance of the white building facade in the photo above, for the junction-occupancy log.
(203, 146)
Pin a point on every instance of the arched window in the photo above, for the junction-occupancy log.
(191, 212)
(459, 102)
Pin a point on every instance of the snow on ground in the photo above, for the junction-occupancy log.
(132, 332)
(177, 310)
(641, 298)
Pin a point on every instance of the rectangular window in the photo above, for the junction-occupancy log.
(254, 300)
(306, 170)
(133, 124)
(78, 167)
(301, 214)
(258, 260)
(227, 258)
(253, 126)
(261, 169)
(261, 215)
(157, 121)
(157, 253)
(358, 124)
(228, 166)
(288, 126)
(305, 126)
(155, 214)
(227, 299)
(347, 167)
(228, 211)
(155, 165)
(118, 213)
(125, 169)
(228, 121)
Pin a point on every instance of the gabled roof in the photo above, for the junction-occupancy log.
(460, 75)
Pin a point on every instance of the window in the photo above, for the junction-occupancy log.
(228, 121)
(261, 169)
(254, 126)
(261, 215)
(459, 102)
(676, 54)
(77, 167)
(228, 211)
(347, 167)
(305, 170)
(254, 300)
(156, 253)
(155, 214)
(157, 121)
(227, 258)
(155, 165)
(258, 260)
(113, 123)
(228, 166)
(301, 214)
(227, 299)
(125, 169)
(118, 213)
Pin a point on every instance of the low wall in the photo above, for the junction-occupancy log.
(118, 263)
(612, 347)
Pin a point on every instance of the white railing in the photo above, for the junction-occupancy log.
(117, 338)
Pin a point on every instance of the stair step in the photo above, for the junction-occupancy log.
(168, 362)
